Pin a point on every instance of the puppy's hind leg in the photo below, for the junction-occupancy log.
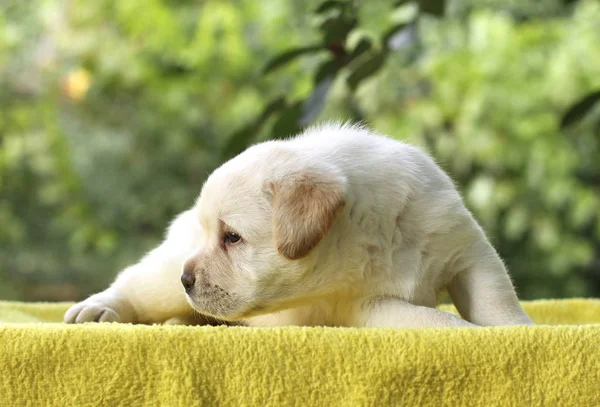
(481, 288)
(395, 313)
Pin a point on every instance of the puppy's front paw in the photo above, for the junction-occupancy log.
(92, 310)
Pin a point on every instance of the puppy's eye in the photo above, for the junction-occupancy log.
(232, 238)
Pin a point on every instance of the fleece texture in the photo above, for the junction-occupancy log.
(46, 363)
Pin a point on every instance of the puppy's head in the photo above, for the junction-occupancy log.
(263, 215)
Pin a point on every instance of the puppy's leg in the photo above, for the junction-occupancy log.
(394, 313)
(149, 291)
(481, 288)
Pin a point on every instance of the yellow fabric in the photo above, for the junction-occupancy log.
(52, 364)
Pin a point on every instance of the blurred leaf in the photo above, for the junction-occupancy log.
(516, 223)
(171, 67)
(393, 31)
(330, 4)
(243, 138)
(368, 68)
(240, 140)
(400, 36)
(288, 123)
(289, 56)
(327, 68)
(578, 110)
(363, 46)
(435, 7)
(336, 29)
(314, 104)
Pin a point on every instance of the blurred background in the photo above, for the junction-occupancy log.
(112, 113)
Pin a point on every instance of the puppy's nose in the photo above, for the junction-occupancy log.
(188, 280)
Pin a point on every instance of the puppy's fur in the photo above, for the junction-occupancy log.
(337, 226)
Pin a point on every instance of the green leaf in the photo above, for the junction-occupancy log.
(172, 67)
(370, 67)
(243, 138)
(240, 140)
(336, 29)
(330, 4)
(363, 46)
(289, 56)
(271, 108)
(435, 7)
(399, 36)
(314, 104)
(288, 122)
(327, 68)
(580, 109)
(516, 223)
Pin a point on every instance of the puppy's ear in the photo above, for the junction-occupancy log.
(304, 207)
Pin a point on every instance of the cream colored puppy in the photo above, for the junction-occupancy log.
(337, 227)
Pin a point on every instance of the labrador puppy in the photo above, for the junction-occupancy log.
(335, 227)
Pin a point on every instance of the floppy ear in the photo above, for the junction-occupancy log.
(304, 207)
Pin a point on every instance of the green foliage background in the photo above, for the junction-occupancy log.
(112, 113)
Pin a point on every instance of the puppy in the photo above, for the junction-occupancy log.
(335, 227)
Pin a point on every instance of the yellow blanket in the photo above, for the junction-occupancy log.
(44, 363)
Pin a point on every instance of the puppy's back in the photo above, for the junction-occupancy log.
(378, 167)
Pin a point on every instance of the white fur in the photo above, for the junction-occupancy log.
(403, 235)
